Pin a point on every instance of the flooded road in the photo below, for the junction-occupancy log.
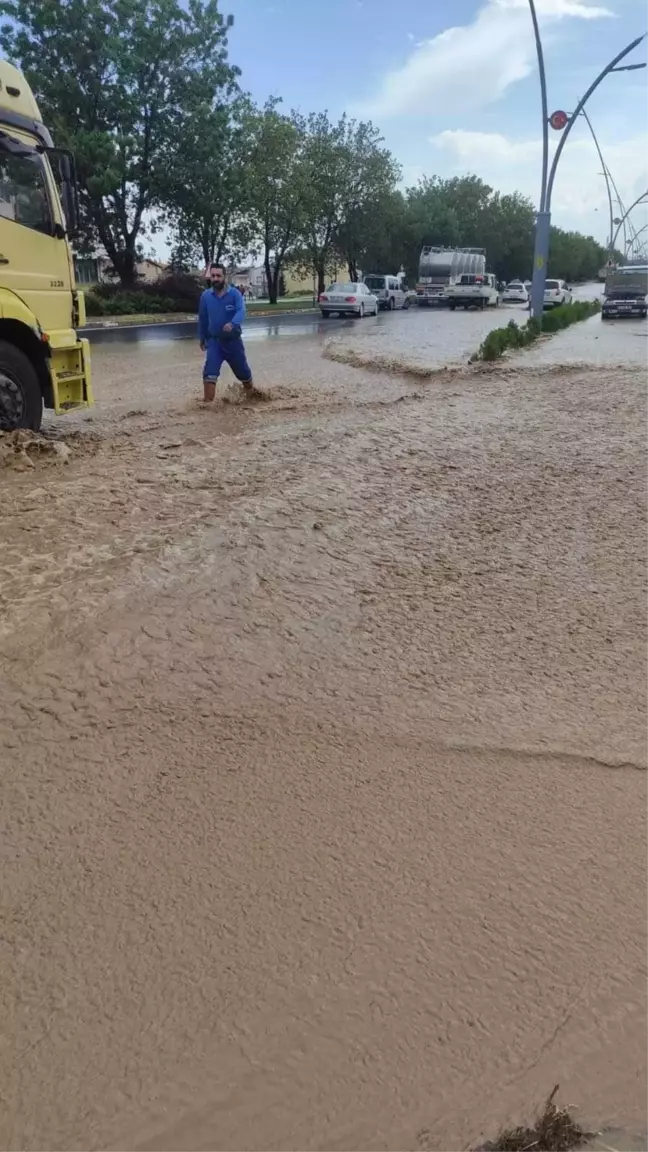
(324, 753)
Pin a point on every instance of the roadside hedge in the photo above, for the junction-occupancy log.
(520, 336)
(179, 293)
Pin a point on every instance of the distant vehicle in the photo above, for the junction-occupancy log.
(556, 293)
(627, 301)
(348, 299)
(515, 293)
(391, 291)
(528, 284)
(470, 291)
(441, 267)
(633, 274)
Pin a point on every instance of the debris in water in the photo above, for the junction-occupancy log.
(18, 448)
(554, 1131)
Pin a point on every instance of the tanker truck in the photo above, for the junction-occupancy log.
(439, 267)
(43, 363)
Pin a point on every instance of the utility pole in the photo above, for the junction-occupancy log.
(559, 121)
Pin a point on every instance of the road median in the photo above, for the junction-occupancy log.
(515, 336)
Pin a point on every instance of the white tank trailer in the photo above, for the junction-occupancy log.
(439, 267)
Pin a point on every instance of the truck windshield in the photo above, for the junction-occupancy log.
(374, 282)
(23, 189)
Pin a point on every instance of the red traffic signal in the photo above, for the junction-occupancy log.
(558, 120)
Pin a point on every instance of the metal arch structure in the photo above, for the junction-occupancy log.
(606, 176)
(639, 200)
(543, 217)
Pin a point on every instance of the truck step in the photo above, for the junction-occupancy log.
(70, 375)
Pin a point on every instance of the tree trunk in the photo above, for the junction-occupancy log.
(272, 278)
(269, 278)
(124, 264)
(321, 280)
(274, 286)
(353, 271)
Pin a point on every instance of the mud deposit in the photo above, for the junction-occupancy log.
(323, 745)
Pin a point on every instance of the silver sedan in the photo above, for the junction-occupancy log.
(348, 299)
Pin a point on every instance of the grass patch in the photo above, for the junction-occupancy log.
(554, 1130)
(499, 340)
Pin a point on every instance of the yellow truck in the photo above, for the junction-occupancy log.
(43, 363)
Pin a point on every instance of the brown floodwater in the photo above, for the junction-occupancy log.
(323, 738)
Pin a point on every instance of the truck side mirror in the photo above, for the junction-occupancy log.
(68, 186)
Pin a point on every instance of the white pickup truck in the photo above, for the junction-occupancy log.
(472, 291)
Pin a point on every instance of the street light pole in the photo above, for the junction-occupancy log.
(543, 217)
(639, 199)
(606, 175)
(545, 107)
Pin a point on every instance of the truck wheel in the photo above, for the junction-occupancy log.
(21, 402)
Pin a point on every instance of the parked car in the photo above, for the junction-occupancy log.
(625, 302)
(391, 291)
(348, 299)
(556, 293)
(515, 293)
(472, 291)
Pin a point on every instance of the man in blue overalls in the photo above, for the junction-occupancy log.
(221, 313)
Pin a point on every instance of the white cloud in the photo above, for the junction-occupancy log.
(579, 198)
(474, 64)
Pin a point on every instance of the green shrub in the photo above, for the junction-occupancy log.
(499, 339)
(130, 303)
(93, 304)
(565, 314)
(173, 293)
(493, 346)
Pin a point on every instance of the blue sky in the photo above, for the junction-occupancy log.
(453, 88)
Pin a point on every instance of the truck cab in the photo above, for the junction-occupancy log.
(43, 363)
(473, 291)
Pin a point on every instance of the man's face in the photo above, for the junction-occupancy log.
(217, 278)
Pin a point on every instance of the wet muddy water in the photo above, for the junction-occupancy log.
(324, 744)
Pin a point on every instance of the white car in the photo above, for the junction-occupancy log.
(390, 290)
(348, 299)
(556, 293)
(515, 293)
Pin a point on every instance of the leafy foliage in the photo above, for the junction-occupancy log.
(118, 81)
(499, 340)
(144, 94)
(175, 293)
(275, 186)
(204, 181)
(345, 175)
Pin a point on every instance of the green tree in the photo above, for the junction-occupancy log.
(573, 256)
(508, 236)
(114, 80)
(375, 237)
(204, 181)
(274, 187)
(345, 172)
